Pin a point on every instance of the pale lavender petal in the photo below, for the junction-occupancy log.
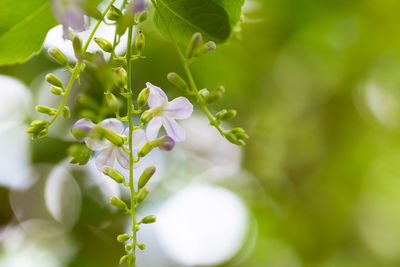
(139, 138)
(96, 144)
(173, 129)
(106, 158)
(82, 128)
(123, 158)
(139, 6)
(74, 18)
(168, 143)
(113, 124)
(157, 96)
(179, 108)
(153, 128)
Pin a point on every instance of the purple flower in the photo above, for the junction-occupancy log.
(70, 14)
(165, 114)
(109, 152)
(167, 144)
(139, 6)
(82, 128)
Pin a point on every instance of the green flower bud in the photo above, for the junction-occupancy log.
(31, 130)
(146, 175)
(58, 56)
(194, 44)
(42, 133)
(105, 45)
(147, 116)
(45, 110)
(143, 96)
(145, 149)
(113, 174)
(141, 246)
(225, 115)
(176, 80)
(233, 139)
(204, 93)
(56, 90)
(110, 135)
(239, 133)
(39, 124)
(128, 247)
(142, 16)
(148, 219)
(77, 45)
(53, 80)
(80, 153)
(65, 113)
(114, 14)
(120, 77)
(139, 41)
(142, 194)
(112, 102)
(123, 238)
(118, 203)
(216, 94)
(207, 47)
(123, 259)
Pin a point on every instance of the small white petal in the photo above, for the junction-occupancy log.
(139, 138)
(179, 108)
(113, 124)
(95, 144)
(106, 158)
(123, 158)
(173, 129)
(157, 96)
(153, 128)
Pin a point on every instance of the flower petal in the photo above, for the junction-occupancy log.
(96, 144)
(153, 128)
(157, 96)
(113, 124)
(106, 158)
(173, 129)
(139, 138)
(123, 158)
(179, 108)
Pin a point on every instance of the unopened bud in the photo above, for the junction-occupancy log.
(207, 47)
(139, 41)
(80, 153)
(56, 90)
(128, 247)
(53, 80)
(105, 45)
(114, 14)
(123, 238)
(147, 116)
(165, 143)
(148, 219)
(123, 259)
(142, 194)
(65, 113)
(141, 246)
(239, 133)
(118, 203)
(113, 174)
(204, 93)
(110, 135)
(82, 128)
(146, 175)
(234, 140)
(143, 96)
(176, 80)
(194, 44)
(216, 94)
(46, 110)
(58, 56)
(39, 123)
(112, 101)
(77, 45)
(141, 17)
(225, 115)
(120, 77)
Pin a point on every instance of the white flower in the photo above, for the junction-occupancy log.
(165, 114)
(110, 152)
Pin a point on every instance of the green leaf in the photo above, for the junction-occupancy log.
(23, 27)
(215, 19)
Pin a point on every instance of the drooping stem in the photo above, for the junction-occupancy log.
(131, 128)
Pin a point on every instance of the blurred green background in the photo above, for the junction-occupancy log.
(317, 86)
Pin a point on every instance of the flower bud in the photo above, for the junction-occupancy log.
(141, 246)
(176, 80)
(77, 45)
(53, 80)
(56, 90)
(114, 14)
(146, 175)
(113, 174)
(105, 45)
(110, 135)
(45, 110)
(147, 116)
(233, 139)
(123, 238)
(65, 113)
(204, 93)
(123, 259)
(207, 47)
(128, 247)
(194, 44)
(145, 149)
(58, 56)
(148, 219)
(39, 123)
(42, 133)
(139, 41)
(118, 203)
(141, 17)
(112, 101)
(142, 194)
(239, 133)
(143, 96)
(80, 153)
(225, 115)
(216, 94)
(82, 128)
(120, 77)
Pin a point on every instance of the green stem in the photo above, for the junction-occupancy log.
(131, 128)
